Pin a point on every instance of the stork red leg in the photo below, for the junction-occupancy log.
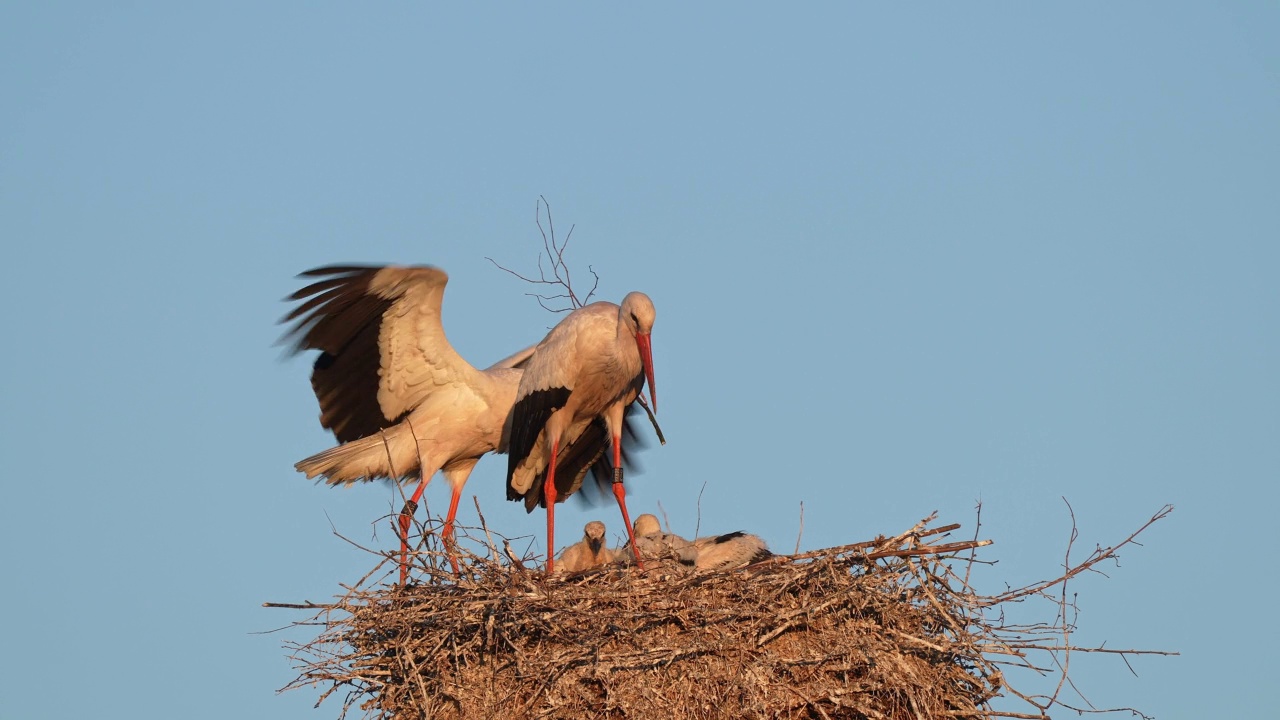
(620, 492)
(549, 494)
(448, 528)
(406, 519)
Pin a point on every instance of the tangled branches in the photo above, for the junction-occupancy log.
(887, 628)
(560, 282)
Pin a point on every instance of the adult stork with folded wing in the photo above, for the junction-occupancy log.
(396, 394)
(587, 370)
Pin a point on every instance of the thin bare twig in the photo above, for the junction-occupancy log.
(1063, 659)
(977, 529)
(697, 527)
(666, 521)
(560, 277)
(485, 526)
(560, 283)
(1096, 557)
(800, 532)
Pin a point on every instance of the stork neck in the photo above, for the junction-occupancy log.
(624, 332)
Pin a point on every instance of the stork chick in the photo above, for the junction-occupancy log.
(587, 553)
(705, 554)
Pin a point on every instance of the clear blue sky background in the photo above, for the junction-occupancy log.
(904, 259)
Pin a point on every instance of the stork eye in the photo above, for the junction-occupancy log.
(635, 320)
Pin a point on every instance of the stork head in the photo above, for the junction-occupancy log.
(647, 524)
(594, 535)
(637, 315)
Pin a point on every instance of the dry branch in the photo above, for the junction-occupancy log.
(560, 281)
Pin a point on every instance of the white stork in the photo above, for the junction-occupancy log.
(588, 369)
(728, 551)
(713, 552)
(649, 541)
(395, 393)
(587, 553)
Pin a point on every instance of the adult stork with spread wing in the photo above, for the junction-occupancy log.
(585, 373)
(396, 394)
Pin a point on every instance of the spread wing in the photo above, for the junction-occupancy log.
(383, 347)
(516, 361)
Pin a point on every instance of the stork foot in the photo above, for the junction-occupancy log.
(406, 520)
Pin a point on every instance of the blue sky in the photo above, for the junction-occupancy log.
(904, 259)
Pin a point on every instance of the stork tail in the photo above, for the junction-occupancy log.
(390, 454)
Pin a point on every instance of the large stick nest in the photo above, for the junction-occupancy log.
(884, 629)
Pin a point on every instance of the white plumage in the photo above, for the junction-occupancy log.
(713, 552)
(392, 389)
(587, 553)
(580, 380)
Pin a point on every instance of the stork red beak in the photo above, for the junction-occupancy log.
(646, 359)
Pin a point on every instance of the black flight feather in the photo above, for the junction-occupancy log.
(341, 318)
